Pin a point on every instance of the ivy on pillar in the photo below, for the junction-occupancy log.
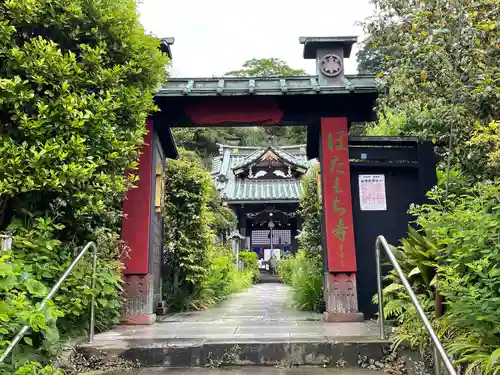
(340, 276)
(136, 226)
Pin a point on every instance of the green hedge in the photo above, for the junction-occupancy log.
(251, 262)
(304, 270)
(197, 273)
(77, 80)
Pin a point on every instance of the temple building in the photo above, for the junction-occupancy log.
(262, 186)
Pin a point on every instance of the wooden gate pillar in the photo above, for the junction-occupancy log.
(338, 232)
(136, 227)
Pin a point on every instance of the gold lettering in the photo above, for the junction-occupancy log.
(336, 186)
(337, 207)
(339, 142)
(340, 230)
(334, 163)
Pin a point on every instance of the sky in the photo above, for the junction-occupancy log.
(216, 36)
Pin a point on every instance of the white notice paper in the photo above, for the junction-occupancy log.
(268, 253)
(372, 195)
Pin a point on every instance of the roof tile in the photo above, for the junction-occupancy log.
(247, 190)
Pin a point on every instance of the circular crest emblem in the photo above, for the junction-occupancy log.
(331, 65)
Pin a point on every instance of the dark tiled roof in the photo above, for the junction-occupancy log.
(254, 156)
(235, 189)
(230, 86)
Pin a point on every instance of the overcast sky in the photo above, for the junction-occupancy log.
(216, 36)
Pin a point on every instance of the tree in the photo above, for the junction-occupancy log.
(267, 67)
(370, 58)
(442, 70)
(77, 80)
(204, 140)
(273, 67)
(196, 272)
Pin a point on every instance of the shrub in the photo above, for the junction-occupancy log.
(285, 268)
(310, 211)
(458, 242)
(77, 80)
(19, 290)
(251, 263)
(304, 271)
(307, 282)
(223, 279)
(196, 272)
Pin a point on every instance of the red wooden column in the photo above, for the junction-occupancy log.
(138, 289)
(340, 275)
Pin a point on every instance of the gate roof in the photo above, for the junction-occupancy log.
(231, 86)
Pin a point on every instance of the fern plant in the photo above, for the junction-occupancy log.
(455, 252)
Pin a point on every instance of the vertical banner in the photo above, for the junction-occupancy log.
(337, 195)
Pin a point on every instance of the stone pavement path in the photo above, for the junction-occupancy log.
(262, 313)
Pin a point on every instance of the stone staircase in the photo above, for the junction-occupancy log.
(305, 370)
(212, 353)
(255, 328)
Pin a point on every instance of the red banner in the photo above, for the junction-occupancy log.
(260, 110)
(337, 195)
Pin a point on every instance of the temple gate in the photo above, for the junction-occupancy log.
(328, 103)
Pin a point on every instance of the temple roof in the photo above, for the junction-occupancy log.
(243, 190)
(223, 86)
(256, 155)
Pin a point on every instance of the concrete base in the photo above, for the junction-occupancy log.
(343, 317)
(138, 320)
(299, 352)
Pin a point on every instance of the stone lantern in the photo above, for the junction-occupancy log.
(236, 237)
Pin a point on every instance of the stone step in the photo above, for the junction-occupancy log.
(341, 352)
(255, 370)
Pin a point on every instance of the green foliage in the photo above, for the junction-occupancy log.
(196, 272)
(20, 291)
(270, 67)
(285, 268)
(441, 66)
(76, 84)
(370, 58)
(222, 280)
(484, 148)
(310, 211)
(187, 226)
(388, 124)
(251, 263)
(304, 271)
(204, 141)
(457, 252)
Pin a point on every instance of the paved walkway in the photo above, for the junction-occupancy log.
(262, 313)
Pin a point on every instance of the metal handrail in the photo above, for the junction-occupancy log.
(54, 290)
(438, 347)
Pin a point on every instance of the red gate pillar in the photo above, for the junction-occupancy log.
(340, 276)
(136, 225)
